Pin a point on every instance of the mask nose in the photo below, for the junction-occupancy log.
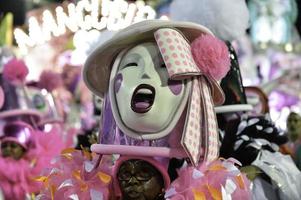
(147, 70)
(145, 76)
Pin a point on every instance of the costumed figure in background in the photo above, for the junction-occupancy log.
(159, 83)
(25, 149)
(255, 141)
(90, 131)
(80, 107)
(250, 137)
(293, 124)
(48, 99)
(49, 104)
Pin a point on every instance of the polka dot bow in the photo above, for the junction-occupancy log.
(200, 136)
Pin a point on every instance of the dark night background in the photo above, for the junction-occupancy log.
(19, 7)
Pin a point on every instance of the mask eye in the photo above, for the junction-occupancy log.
(39, 101)
(131, 64)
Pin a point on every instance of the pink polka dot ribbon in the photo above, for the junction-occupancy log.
(176, 53)
(200, 136)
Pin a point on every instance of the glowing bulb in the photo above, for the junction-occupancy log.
(23, 40)
(49, 25)
(66, 21)
(130, 15)
(164, 17)
(288, 47)
(35, 31)
(44, 92)
(85, 15)
(105, 7)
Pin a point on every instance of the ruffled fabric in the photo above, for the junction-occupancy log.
(72, 176)
(211, 56)
(17, 177)
(218, 180)
(282, 171)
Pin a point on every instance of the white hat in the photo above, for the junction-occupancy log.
(97, 69)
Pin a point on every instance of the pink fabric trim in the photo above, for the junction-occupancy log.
(106, 149)
(16, 112)
(2, 97)
(51, 121)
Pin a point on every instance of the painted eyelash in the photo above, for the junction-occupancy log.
(130, 65)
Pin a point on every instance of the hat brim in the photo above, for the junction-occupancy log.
(51, 121)
(11, 139)
(233, 108)
(97, 68)
(20, 112)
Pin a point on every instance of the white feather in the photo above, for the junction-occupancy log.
(227, 19)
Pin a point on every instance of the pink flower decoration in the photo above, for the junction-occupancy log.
(211, 56)
(15, 71)
(50, 80)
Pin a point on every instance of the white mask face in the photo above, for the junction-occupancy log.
(146, 99)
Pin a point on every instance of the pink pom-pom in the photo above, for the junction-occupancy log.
(50, 80)
(15, 71)
(211, 55)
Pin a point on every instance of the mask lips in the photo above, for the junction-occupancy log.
(143, 98)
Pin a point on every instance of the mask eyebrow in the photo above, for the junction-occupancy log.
(130, 58)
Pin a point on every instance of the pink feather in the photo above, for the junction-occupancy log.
(214, 175)
(15, 71)
(211, 56)
(63, 170)
(17, 176)
(50, 80)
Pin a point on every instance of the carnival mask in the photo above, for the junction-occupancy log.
(145, 101)
(139, 180)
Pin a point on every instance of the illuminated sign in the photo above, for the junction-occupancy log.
(85, 15)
